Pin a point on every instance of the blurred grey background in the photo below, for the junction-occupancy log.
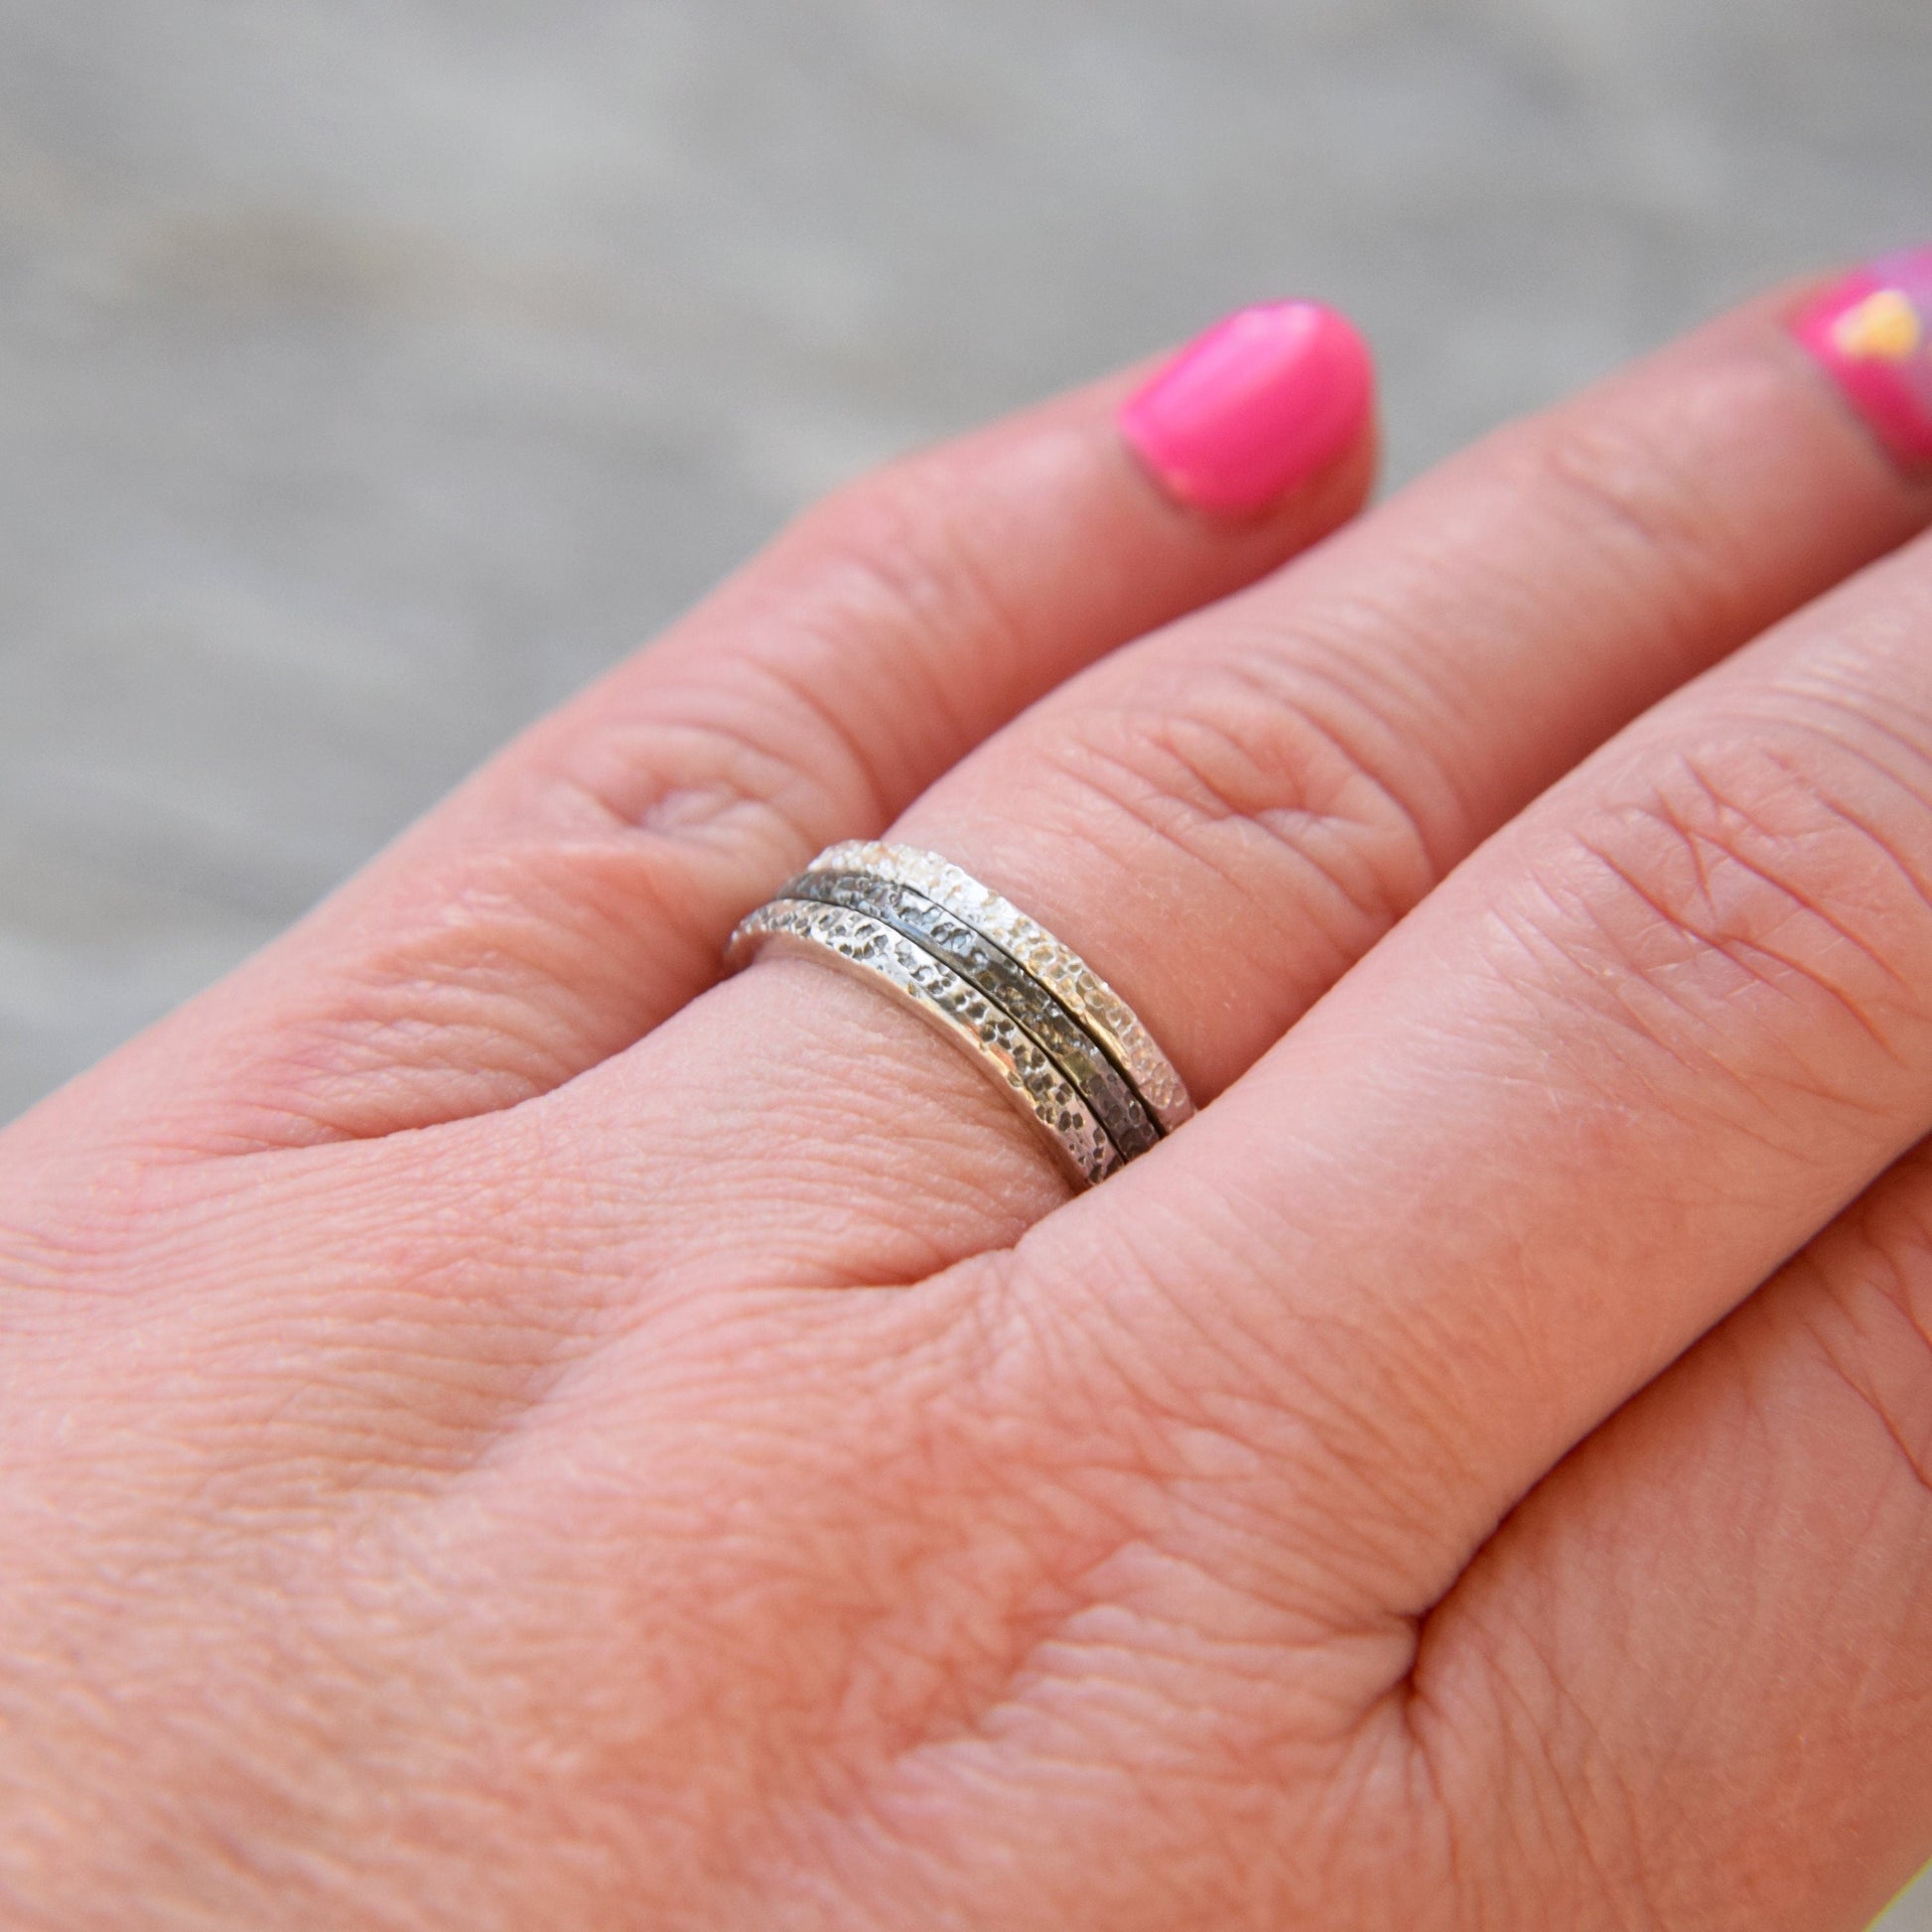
(373, 371)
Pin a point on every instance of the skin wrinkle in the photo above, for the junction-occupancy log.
(38, 1263)
(1812, 789)
(1560, 1750)
(1822, 692)
(1915, 1457)
(913, 548)
(1298, 827)
(1709, 840)
(1091, 1754)
(1637, 487)
(1693, 1005)
(427, 1009)
(1334, 1423)
(187, 1712)
(1844, 815)
(1362, 697)
(1895, 853)
(768, 742)
(903, 589)
(1409, 629)
(1384, 646)
(907, 1474)
(1742, 953)
(1213, 1789)
(1647, 1074)
(1298, 1428)
(716, 780)
(1045, 1596)
(415, 1308)
(1409, 1705)
(1295, 1422)
(707, 1231)
(1286, 776)
(1007, 1676)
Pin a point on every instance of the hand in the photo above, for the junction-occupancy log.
(502, 1432)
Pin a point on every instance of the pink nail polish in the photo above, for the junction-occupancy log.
(1253, 408)
(1873, 332)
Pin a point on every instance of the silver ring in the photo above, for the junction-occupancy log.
(1064, 1047)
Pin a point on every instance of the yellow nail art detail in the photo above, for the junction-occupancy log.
(1884, 327)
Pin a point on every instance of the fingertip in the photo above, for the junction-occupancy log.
(1255, 409)
(1870, 332)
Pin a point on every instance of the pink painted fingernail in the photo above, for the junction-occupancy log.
(1253, 408)
(1873, 332)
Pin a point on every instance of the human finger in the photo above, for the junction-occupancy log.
(581, 887)
(1721, 1604)
(1633, 1055)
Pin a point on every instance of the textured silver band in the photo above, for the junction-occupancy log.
(1104, 1014)
(942, 998)
(1064, 1046)
(1099, 1082)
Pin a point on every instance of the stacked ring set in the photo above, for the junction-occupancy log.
(1063, 1046)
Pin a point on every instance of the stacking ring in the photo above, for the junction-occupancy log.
(1061, 1042)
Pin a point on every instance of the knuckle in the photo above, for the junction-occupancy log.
(1628, 492)
(755, 760)
(889, 572)
(1759, 901)
(909, 548)
(1261, 770)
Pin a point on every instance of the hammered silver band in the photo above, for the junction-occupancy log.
(1064, 1047)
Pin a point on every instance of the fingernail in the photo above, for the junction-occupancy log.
(1872, 332)
(1253, 408)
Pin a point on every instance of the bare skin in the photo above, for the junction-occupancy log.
(502, 1431)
